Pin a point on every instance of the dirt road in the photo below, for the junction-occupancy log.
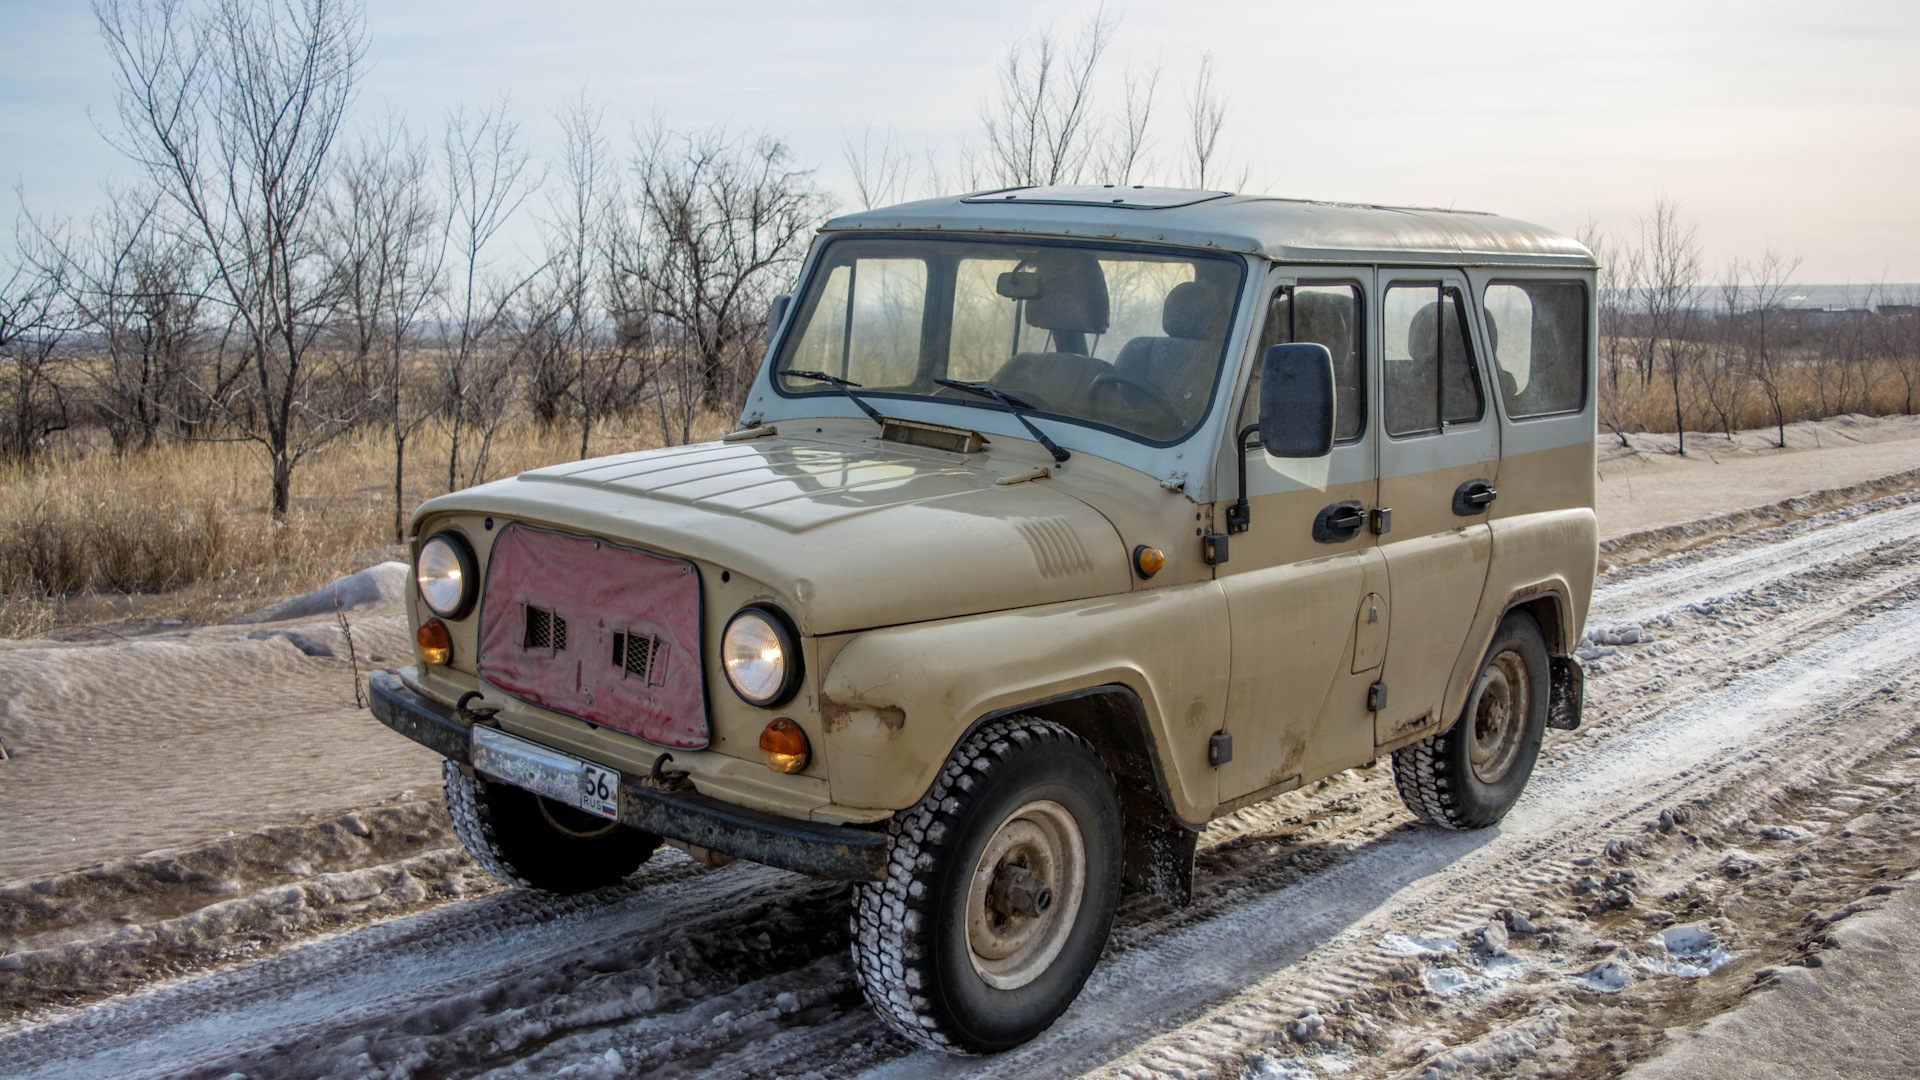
(1742, 782)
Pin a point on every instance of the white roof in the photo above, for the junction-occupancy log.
(1284, 230)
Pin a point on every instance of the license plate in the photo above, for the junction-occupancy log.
(545, 771)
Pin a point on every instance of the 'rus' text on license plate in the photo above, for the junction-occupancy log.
(546, 771)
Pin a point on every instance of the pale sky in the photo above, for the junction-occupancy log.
(1788, 125)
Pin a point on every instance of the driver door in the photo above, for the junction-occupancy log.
(1305, 586)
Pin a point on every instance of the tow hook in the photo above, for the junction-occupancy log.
(482, 715)
(665, 779)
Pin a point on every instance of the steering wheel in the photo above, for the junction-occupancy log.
(1135, 396)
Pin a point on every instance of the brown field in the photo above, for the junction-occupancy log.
(90, 537)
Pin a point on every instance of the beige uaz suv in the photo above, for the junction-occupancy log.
(1060, 521)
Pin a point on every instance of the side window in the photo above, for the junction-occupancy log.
(1428, 377)
(886, 300)
(1538, 333)
(1327, 315)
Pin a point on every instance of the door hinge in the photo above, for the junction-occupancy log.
(1376, 697)
(1213, 548)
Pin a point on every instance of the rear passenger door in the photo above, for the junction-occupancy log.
(1439, 463)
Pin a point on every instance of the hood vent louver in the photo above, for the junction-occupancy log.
(1055, 547)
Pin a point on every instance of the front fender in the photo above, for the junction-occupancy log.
(894, 702)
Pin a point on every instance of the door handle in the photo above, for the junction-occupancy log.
(1473, 497)
(1340, 522)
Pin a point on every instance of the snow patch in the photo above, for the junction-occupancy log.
(1418, 944)
(1689, 951)
(385, 585)
(1607, 977)
(1268, 1067)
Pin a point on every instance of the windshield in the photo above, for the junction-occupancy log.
(1128, 340)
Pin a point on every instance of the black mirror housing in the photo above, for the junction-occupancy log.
(1296, 400)
(777, 314)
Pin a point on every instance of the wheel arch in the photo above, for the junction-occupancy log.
(1158, 846)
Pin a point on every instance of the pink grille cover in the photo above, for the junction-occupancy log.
(601, 590)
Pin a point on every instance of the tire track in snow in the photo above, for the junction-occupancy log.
(438, 991)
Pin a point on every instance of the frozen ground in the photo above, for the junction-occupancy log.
(1733, 826)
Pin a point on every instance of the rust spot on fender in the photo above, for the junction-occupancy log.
(835, 716)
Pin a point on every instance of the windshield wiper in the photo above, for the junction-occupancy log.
(846, 387)
(1014, 405)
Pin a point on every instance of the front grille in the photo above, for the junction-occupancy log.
(640, 657)
(630, 660)
(545, 630)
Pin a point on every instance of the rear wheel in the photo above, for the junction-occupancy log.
(1470, 775)
(531, 841)
(1001, 889)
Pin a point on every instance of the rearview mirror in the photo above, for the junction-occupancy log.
(777, 314)
(1018, 285)
(1296, 400)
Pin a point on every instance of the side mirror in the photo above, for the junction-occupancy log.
(777, 314)
(1296, 400)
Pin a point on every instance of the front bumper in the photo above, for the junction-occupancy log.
(840, 852)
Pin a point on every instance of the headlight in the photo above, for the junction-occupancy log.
(758, 653)
(446, 574)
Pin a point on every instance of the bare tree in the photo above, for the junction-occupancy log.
(135, 285)
(1722, 368)
(488, 176)
(1043, 128)
(1616, 273)
(882, 169)
(717, 222)
(232, 111)
(1900, 326)
(583, 214)
(1767, 362)
(1125, 151)
(34, 321)
(1206, 115)
(1669, 291)
(384, 247)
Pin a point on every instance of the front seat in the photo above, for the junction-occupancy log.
(1181, 365)
(1072, 303)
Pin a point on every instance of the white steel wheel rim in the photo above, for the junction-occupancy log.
(1042, 838)
(1499, 717)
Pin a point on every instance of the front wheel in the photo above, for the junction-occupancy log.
(1001, 887)
(531, 841)
(1470, 775)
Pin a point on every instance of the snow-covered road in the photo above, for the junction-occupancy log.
(1757, 651)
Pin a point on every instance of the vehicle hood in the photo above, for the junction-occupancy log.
(853, 535)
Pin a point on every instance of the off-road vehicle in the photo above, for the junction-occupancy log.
(1059, 522)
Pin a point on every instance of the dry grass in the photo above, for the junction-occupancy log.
(90, 538)
(1807, 392)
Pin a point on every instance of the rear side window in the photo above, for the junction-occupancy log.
(1327, 315)
(1538, 333)
(1429, 377)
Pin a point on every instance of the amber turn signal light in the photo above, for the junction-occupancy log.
(783, 746)
(435, 644)
(1148, 560)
